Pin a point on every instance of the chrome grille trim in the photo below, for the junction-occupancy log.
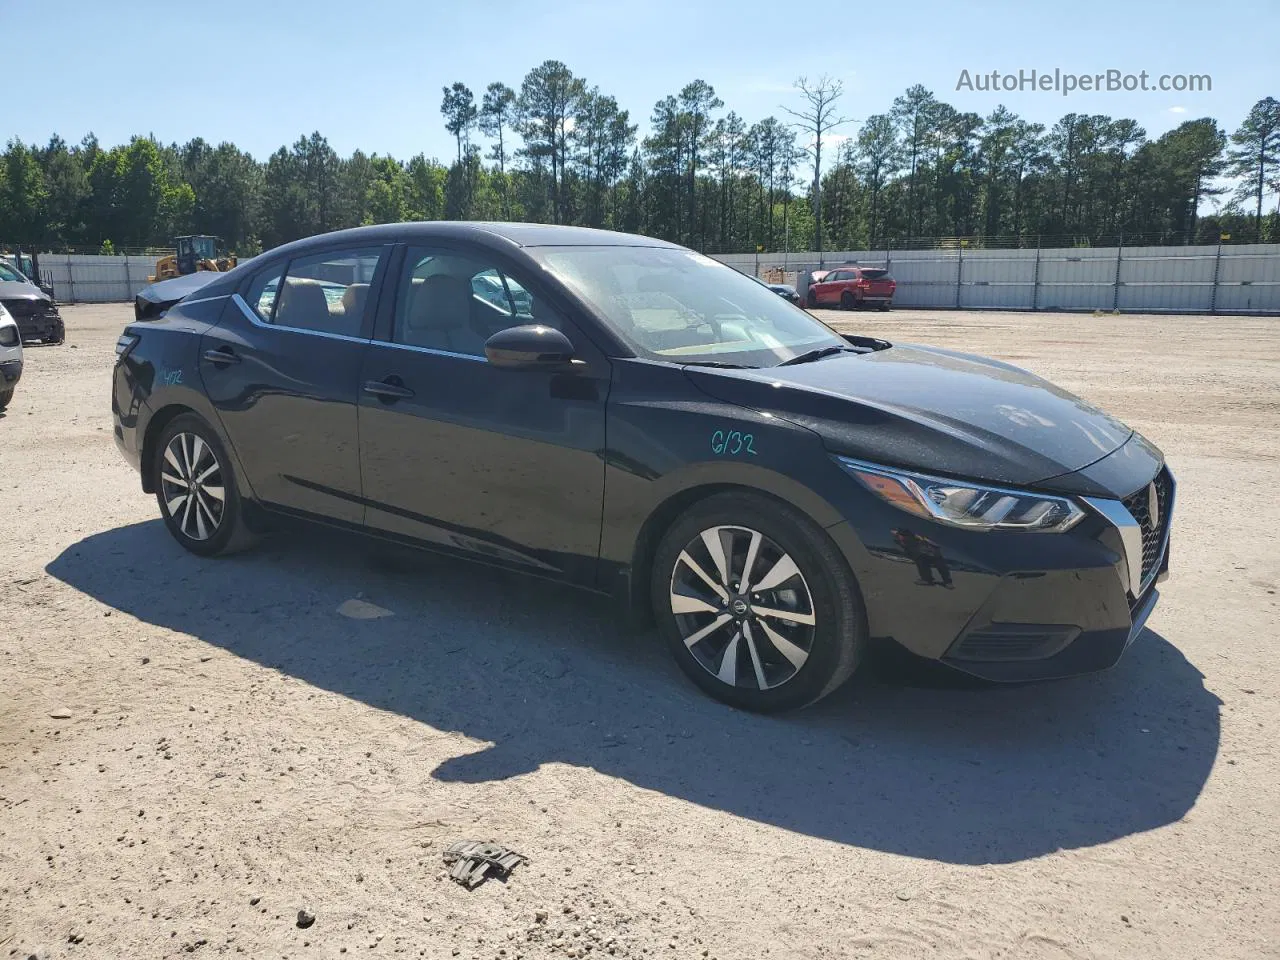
(1145, 544)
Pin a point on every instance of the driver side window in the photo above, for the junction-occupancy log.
(454, 303)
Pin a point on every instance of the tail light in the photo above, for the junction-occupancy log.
(126, 343)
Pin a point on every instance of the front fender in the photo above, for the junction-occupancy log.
(663, 454)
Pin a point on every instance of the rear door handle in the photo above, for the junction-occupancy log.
(221, 356)
(390, 389)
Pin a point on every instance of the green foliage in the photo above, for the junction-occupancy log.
(1255, 154)
(459, 109)
(560, 150)
(24, 195)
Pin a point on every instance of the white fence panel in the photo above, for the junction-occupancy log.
(1256, 267)
(1249, 298)
(1201, 279)
(84, 278)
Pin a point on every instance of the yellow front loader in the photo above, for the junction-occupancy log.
(194, 254)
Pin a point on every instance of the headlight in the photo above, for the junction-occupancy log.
(960, 503)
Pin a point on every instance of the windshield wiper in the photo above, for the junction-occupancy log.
(718, 363)
(817, 354)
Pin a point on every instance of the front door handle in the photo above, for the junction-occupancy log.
(388, 390)
(222, 356)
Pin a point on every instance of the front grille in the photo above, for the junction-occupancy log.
(30, 309)
(36, 319)
(1153, 534)
(23, 308)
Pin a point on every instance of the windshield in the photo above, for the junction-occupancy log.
(677, 305)
(8, 273)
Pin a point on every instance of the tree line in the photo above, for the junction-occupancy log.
(560, 150)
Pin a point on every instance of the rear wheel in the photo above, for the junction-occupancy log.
(847, 301)
(756, 604)
(885, 305)
(196, 489)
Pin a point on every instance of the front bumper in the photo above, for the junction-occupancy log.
(1004, 606)
(43, 323)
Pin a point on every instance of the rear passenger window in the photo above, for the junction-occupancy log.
(262, 293)
(325, 293)
(454, 303)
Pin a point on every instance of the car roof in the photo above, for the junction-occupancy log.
(479, 232)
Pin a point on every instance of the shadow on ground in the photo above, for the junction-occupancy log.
(548, 674)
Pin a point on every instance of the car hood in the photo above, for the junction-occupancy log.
(932, 410)
(17, 290)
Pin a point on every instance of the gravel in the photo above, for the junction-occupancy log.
(1030, 822)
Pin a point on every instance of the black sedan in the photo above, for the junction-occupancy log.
(785, 290)
(629, 416)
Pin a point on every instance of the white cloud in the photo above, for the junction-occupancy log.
(1177, 109)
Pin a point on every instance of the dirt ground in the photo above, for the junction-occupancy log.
(192, 751)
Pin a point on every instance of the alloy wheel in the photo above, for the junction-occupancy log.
(192, 486)
(742, 607)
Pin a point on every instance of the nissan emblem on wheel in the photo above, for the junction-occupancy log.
(631, 417)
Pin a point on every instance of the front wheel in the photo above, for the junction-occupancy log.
(5, 397)
(196, 489)
(812, 298)
(756, 604)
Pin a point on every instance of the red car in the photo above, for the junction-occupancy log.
(850, 287)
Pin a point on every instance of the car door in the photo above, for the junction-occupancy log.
(282, 370)
(502, 464)
(831, 286)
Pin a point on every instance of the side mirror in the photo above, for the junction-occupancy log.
(529, 347)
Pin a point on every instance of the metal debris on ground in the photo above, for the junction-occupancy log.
(472, 862)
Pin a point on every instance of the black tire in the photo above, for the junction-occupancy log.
(812, 298)
(884, 307)
(5, 397)
(836, 641)
(847, 301)
(230, 533)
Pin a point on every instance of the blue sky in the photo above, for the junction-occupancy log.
(369, 74)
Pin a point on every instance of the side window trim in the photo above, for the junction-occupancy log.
(506, 288)
(367, 322)
(431, 350)
(252, 316)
